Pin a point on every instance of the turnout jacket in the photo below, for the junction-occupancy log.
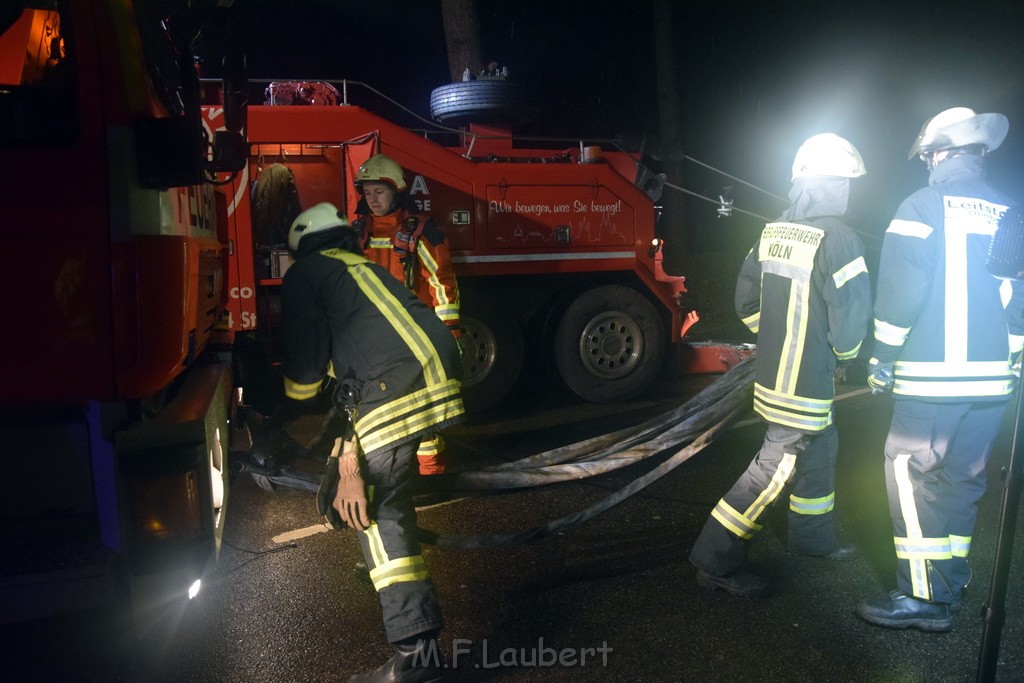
(433, 278)
(340, 310)
(947, 324)
(804, 290)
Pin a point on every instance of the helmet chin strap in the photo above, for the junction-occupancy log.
(935, 157)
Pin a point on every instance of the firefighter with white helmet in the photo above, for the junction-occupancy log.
(945, 334)
(412, 247)
(398, 372)
(804, 290)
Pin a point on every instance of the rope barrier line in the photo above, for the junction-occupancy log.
(732, 177)
(715, 201)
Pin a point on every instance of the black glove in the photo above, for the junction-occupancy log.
(328, 489)
(880, 376)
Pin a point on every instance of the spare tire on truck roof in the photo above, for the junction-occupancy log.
(482, 101)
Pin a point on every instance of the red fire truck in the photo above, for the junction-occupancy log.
(117, 386)
(559, 269)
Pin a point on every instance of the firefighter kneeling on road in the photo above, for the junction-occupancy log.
(412, 248)
(398, 370)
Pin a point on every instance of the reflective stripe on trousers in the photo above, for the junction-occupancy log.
(807, 458)
(392, 552)
(935, 457)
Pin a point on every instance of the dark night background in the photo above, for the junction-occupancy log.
(753, 79)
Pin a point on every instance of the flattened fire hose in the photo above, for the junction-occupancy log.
(691, 426)
(694, 425)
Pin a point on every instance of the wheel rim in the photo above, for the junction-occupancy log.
(611, 345)
(479, 350)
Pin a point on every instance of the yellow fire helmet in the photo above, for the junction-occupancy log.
(382, 169)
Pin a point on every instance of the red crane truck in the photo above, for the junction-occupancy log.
(559, 268)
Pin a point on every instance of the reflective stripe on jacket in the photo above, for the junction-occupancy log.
(948, 324)
(435, 282)
(342, 310)
(804, 290)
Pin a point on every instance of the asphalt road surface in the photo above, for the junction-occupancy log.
(613, 599)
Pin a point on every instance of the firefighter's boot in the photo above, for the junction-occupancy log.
(416, 660)
(362, 572)
(898, 610)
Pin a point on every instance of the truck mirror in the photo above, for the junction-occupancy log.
(230, 152)
(234, 88)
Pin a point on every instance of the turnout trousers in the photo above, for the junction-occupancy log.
(935, 457)
(807, 459)
(392, 552)
(431, 455)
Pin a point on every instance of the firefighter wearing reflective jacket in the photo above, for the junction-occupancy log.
(398, 368)
(411, 247)
(804, 290)
(945, 333)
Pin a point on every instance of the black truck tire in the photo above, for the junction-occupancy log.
(492, 350)
(482, 101)
(610, 344)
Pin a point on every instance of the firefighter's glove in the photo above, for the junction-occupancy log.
(350, 501)
(880, 377)
(328, 489)
(404, 244)
(1015, 362)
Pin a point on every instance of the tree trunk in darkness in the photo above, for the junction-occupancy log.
(462, 37)
(670, 124)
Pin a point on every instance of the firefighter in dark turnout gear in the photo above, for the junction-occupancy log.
(414, 250)
(804, 290)
(399, 367)
(945, 335)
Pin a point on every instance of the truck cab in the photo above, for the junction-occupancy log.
(117, 386)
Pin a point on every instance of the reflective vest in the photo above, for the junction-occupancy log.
(429, 273)
(947, 324)
(804, 290)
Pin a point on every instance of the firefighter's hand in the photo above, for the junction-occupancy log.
(350, 501)
(880, 377)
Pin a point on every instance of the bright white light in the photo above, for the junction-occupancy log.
(193, 590)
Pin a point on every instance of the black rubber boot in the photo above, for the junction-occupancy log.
(362, 572)
(416, 660)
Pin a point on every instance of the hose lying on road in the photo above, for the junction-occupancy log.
(608, 452)
(693, 425)
(696, 424)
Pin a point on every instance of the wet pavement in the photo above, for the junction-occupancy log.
(613, 599)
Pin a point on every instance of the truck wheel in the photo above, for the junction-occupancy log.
(610, 344)
(481, 101)
(492, 351)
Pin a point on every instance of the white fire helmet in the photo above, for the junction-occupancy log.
(383, 169)
(323, 216)
(827, 154)
(957, 127)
